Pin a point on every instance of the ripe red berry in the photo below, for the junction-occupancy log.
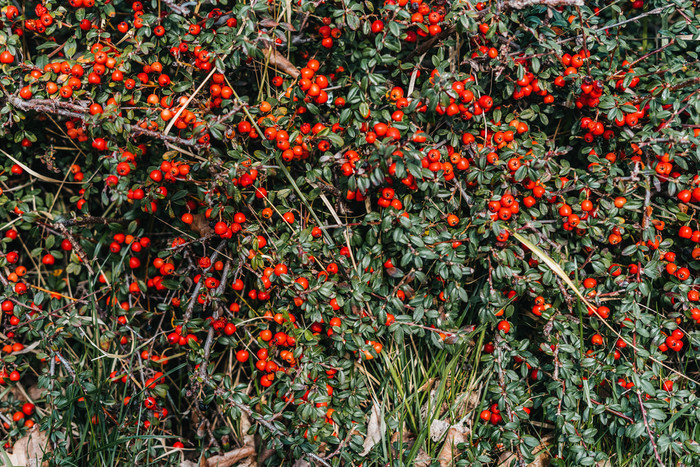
(504, 326)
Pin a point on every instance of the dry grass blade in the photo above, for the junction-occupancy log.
(36, 174)
(556, 269)
(187, 102)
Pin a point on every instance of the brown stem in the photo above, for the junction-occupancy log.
(684, 84)
(255, 417)
(49, 106)
(635, 18)
(210, 335)
(92, 220)
(520, 4)
(198, 287)
(77, 247)
(137, 130)
(678, 112)
(646, 209)
(651, 436)
(67, 109)
(179, 9)
(641, 406)
(231, 457)
(427, 45)
(614, 412)
(653, 52)
(504, 394)
(66, 365)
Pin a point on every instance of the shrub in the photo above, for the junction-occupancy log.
(327, 223)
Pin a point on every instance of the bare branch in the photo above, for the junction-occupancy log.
(49, 106)
(231, 457)
(77, 247)
(67, 109)
(651, 435)
(221, 392)
(179, 9)
(210, 335)
(198, 287)
(92, 220)
(136, 130)
(520, 4)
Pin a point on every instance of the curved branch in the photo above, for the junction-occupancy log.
(70, 110)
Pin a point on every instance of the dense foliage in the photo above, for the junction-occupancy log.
(333, 221)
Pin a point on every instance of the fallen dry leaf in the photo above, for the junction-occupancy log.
(506, 459)
(468, 401)
(29, 449)
(35, 392)
(248, 439)
(455, 436)
(422, 459)
(268, 23)
(200, 224)
(406, 436)
(279, 61)
(375, 429)
(438, 428)
(427, 385)
(542, 460)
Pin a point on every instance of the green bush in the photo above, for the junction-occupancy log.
(322, 230)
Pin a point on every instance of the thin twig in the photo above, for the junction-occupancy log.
(66, 365)
(215, 315)
(520, 4)
(500, 343)
(77, 247)
(70, 110)
(651, 436)
(179, 9)
(136, 130)
(255, 417)
(198, 286)
(635, 18)
(92, 220)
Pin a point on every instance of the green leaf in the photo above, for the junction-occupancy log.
(70, 48)
(352, 20)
